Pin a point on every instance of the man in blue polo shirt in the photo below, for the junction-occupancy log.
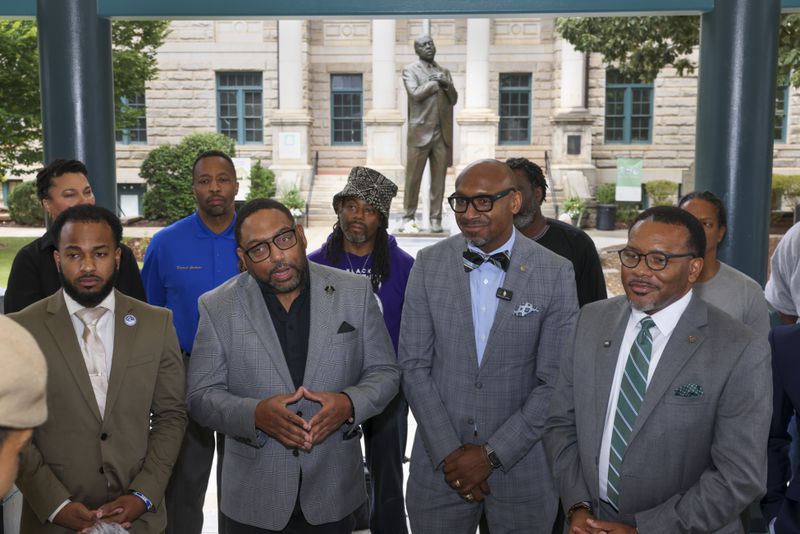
(184, 260)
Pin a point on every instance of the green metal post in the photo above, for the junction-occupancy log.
(78, 90)
(735, 109)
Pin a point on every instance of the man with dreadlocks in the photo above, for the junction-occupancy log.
(360, 244)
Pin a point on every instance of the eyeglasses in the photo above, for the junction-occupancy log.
(655, 261)
(284, 241)
(460, 204)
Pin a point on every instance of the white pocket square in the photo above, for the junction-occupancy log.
(525, 309)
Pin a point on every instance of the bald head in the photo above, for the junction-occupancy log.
(499, 172)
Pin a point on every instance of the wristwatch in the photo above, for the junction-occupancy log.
(491, 456)
(583, 505)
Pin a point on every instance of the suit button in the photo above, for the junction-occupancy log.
(470, 421)
(295, 452)
(478, 385)
(103, 436)
(102, 471)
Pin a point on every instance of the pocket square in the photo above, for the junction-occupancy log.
(345, 327)
(689, 390)
(525, 309)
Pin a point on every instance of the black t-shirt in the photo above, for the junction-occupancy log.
(576, 246)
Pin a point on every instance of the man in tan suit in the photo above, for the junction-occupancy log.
(431, 97)
(115, 392)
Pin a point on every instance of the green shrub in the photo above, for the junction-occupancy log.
(574, 206)
(24, 206)
(606, 193)
(661, 192)
(262, 182)
(787, 185)
(627, 212)
(168, 173)
(294, 200)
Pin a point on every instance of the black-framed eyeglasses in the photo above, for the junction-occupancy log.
(283, 240)
(655, 261)
(460, 203)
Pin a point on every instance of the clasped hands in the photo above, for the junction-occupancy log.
(123, 510)
(466, 471)
(274, 417)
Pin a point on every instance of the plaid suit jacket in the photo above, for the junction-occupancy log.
(237, 361)
(504, 401)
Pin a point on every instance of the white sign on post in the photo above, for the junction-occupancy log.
(629, 179)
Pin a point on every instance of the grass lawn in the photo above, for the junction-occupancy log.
(8, 249)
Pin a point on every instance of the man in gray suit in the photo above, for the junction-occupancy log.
(289, 359)
(431, 97)
(487, 316)
(660, 416)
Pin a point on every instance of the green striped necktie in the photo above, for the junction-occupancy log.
(631, 395)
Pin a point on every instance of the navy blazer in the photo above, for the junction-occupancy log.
(782, 501)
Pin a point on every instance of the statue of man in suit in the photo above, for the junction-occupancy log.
(659, 419)
(431, 97)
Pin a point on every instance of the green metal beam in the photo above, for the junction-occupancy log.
(214, 9)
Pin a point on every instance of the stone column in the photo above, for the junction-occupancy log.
(291, 121)
(478, 123)
(572, 125)
(384, 122)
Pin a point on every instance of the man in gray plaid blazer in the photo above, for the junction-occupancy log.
(289, 359)
(487, 316)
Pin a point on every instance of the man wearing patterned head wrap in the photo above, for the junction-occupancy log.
(22, 396)
(360, 244)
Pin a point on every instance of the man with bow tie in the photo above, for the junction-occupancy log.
(487, 317)
(659, 419)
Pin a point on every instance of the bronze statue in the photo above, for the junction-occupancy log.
(431, 97)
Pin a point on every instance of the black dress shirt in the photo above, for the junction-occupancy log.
(293, 328)
(34, 275)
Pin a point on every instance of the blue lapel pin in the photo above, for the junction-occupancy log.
(129, 320)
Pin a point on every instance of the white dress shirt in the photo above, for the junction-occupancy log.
(665, 321)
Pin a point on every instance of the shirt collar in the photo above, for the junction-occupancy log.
(108, 303)
(507, 246)
(668, 318)
(204, 231)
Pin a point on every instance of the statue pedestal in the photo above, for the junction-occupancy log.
(572, 146)
(478, 136)
(384, 140)
(290, 153)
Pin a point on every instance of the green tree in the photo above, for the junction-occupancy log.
(167, 170)
(134, 62)
(641, 46)
(262, 182)
(24, 206)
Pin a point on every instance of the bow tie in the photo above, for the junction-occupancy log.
(473, 260)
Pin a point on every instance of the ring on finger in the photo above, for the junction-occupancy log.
(469, 497)
(456, 483)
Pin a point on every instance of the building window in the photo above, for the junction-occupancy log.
(515, 109)
(347, 110)
(138, 133)
(781, 114)
(239, 106)
(629, 109)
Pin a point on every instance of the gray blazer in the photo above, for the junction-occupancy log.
(693, 463)
(237, 361)
(507, 397)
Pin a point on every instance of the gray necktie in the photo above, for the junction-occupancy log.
(95, 354)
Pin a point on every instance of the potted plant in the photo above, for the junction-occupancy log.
(786, 187)
(293, 200)
(661, 192)
(606, 206)
(574, 207)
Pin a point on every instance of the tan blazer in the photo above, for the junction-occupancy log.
(77, 454)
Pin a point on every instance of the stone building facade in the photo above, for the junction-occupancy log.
(284, 89)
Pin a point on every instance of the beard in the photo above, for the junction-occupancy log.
(286, 286)
(354, 238)
(523, 219)
(88, 300)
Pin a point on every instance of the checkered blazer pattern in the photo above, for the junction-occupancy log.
(504, 401)
(237, 361)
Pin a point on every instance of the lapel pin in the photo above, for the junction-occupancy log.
(606, 343)
(329, 290)
(129, 320)
(692, 339)
(503, 293)
(523, 268)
